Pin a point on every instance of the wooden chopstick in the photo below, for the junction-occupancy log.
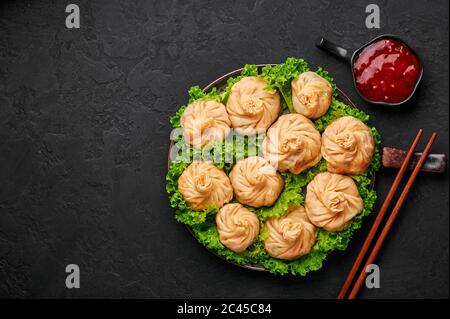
(377, 222)
(392, 217)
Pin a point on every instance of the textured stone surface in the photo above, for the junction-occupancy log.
(84, 135)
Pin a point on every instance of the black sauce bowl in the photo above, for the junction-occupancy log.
(349, 56)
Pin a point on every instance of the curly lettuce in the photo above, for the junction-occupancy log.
(280, 76)
(203, 224)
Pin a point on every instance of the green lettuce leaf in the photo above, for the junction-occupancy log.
(280, 76)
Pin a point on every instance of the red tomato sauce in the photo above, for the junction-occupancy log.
(387, 71)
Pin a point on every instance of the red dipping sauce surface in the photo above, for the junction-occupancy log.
(386, 71)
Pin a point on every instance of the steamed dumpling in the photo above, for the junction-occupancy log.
(292, 144)
(290, 236)
(347, 146)
(332, 200)
(311, 95)
(205, 121)
(237, 227)
(255, 182)
(251, 107)
(203, 185)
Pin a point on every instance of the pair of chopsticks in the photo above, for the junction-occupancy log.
(362, 275)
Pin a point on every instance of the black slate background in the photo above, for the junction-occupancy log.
(84, 135)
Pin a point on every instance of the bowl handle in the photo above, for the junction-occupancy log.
(336, 50)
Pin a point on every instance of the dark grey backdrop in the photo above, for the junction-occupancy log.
(84, 134)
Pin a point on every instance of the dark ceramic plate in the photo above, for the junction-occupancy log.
(220, 84)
